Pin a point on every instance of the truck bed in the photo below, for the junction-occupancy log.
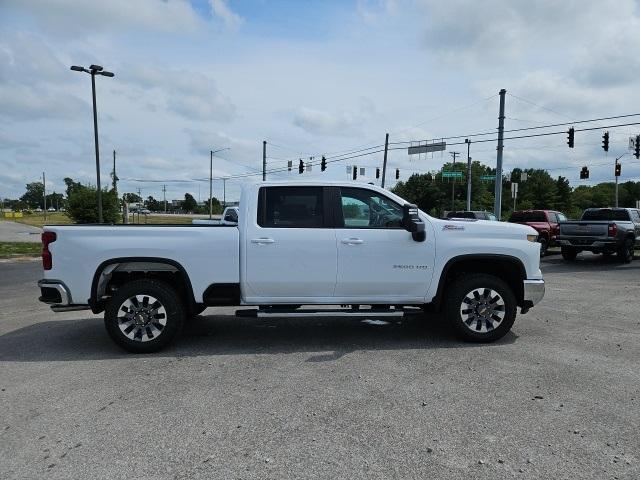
(210, 253)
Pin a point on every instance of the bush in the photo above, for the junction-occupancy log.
(83, 205)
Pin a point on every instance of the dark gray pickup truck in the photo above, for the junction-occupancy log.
(602, 230)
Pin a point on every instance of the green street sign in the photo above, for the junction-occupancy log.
(447, 174)
(487, 177)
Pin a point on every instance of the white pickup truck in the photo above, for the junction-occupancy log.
(354, 246)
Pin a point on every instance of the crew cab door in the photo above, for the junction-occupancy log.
(290, 246)
(378, 260)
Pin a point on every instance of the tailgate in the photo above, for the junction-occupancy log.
(584, 229)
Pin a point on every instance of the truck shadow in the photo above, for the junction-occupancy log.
(325, 339)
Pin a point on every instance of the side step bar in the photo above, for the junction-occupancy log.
(70, 307)
(275, 313)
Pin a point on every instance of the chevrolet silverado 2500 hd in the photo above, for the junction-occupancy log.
(296, 244)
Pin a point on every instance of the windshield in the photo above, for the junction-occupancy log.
(605, 214)
(534, 216)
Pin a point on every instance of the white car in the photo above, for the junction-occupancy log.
(229, 217)
(295, 244)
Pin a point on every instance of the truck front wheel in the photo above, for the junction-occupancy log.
(144, 315)
(480, 308)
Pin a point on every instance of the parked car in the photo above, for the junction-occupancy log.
(229, 217)
(545, 222)
(478, 215)
(295, 244)
(602, 230)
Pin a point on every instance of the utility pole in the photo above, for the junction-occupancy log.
(264, 160)
(384, 162)
(164, 197)
(468, 142)
(44, 194)
(224, 193)
(115, 178)
(211, 186)
(453, 185)
(497, 207)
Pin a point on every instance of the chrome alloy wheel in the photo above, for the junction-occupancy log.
(482, 310)
(142, 318)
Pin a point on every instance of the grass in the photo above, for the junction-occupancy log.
(37, 219)
(19, 249)
(60, 218)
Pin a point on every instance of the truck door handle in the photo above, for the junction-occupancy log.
(352, 241)
(262, 240)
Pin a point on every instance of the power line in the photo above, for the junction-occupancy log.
(523, 129)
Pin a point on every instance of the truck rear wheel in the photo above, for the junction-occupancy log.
(544, 245)
(480, 308)
(626, 251)
(569, 253)
(144, 315)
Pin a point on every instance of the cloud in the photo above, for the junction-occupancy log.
(72, 17)
(192, 95)
(221, 10)
(342, 123)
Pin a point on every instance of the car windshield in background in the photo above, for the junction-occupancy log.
(461, 215)
(528, 217)
(606, 214)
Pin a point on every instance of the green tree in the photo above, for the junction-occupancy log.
(34, 196)
(83, 205)
(132, 198)
(189, 203)
(564, 202)
(153, 204)
(215, 204)
(71, 185)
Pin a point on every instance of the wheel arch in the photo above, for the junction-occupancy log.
(506, 267)
(138, 267)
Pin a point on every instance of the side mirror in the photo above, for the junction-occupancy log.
(411, 222)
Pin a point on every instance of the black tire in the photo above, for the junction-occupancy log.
(127, 320)
(569, 253)
(468, 320)
(544, 245)
(626, 252)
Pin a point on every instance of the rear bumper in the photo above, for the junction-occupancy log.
(587, 243)
(56, 294)
(533, 292)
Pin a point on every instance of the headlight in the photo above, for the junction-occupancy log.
(532, 238)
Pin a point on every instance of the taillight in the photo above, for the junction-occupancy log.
(47, 260)
(612, 230)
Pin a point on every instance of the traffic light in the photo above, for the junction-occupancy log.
(355, 172)
(301, 167)
(570, 135)
(636, 150)
(397, 173)
(377, 173)
(605, 141)
(618, 169)
(323, 164)
(584, 173)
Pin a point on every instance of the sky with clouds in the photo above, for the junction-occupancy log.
(310, 78)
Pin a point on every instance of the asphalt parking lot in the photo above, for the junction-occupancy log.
(559, 397)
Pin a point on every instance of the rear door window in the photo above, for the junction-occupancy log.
(291, 207)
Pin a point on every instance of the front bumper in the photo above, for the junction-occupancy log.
(56, 294)
(533, 292)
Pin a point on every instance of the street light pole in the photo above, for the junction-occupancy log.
(95, 138)
(94, 70)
